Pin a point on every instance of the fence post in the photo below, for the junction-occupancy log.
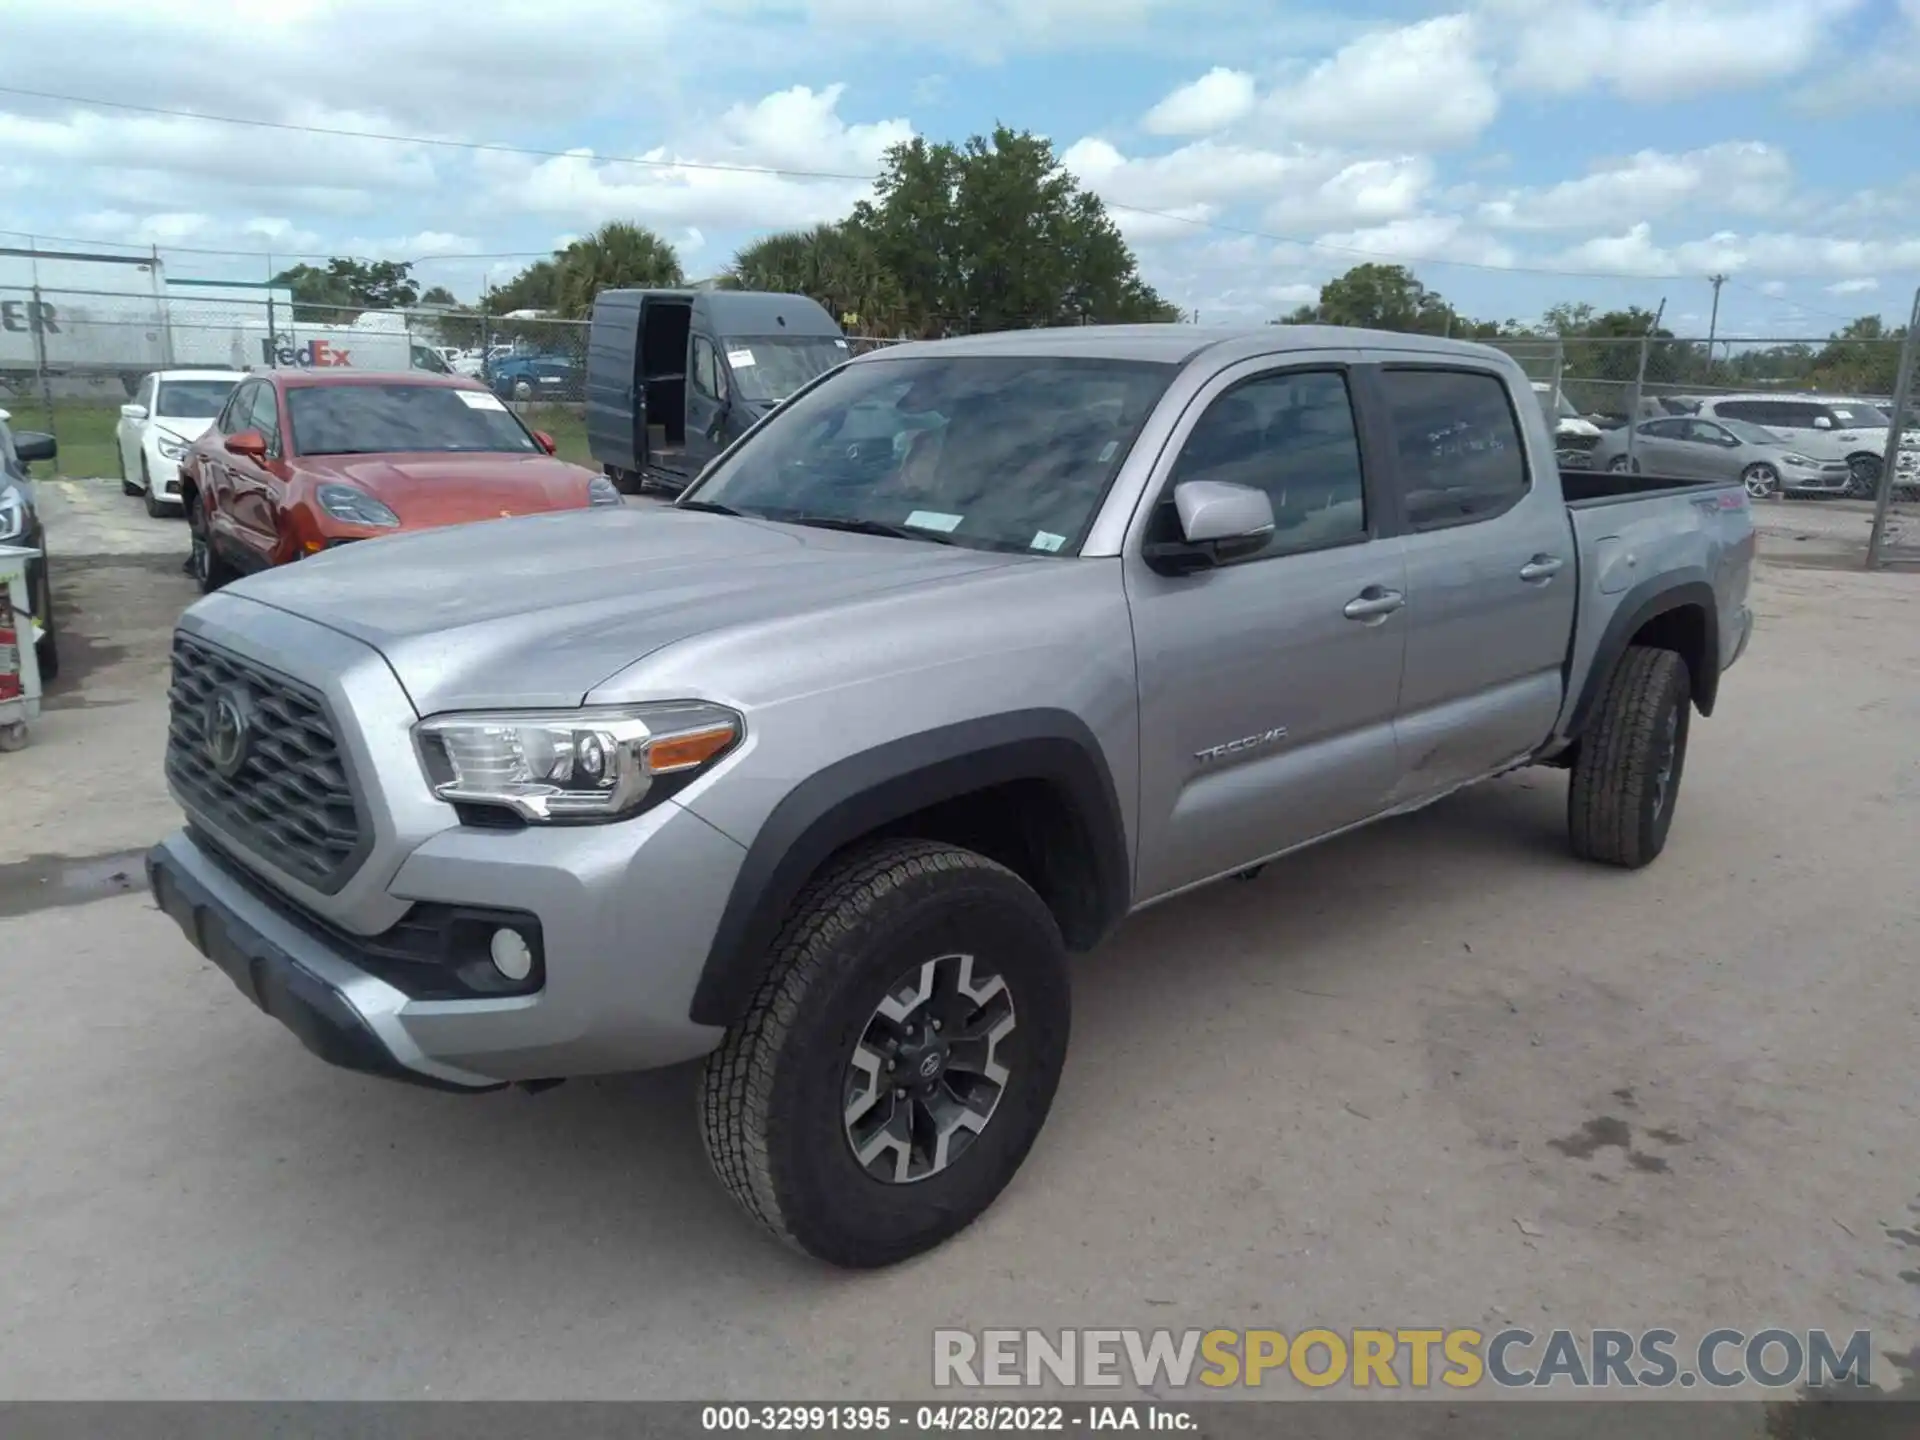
(1890, 465)
(1633, 405)
(38, 329)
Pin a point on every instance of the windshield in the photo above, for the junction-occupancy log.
(1749, 432)
(768, 367)
(193, 399)
(1853, 415)
(382, 419)
(994, 452)
(1560, 407)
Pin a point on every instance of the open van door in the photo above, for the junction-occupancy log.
(615, 402)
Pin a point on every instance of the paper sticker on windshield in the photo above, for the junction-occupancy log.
(740, 359)
(1047, 540)
(480, 400)
(934, 520)
(1107, 450)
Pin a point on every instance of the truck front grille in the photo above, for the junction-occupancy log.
(256, 754)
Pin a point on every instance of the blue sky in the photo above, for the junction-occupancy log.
(1515, 153)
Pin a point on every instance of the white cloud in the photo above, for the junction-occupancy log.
(1857, 286)
(1216, 100)
(1735, 177)
(1883, 71)
(423, 245)
(1302, 189)
(1773, 287)
(194, 229)
(1663, 50)
(797, 128)
(1291, 295)
(1413, 239)
(1422, 85)
(1636, 253)
(989, 30)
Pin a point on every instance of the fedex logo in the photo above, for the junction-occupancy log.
(312, 355)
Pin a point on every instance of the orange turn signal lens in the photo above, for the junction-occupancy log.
(689, 750)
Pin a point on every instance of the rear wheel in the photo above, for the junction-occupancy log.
(1620, 465)
(1626, 778)
(898, 1059)
(209, 571)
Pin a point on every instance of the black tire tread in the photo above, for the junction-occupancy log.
(737, 1088)
(1616, 760)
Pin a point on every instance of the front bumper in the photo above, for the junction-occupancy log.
(626, 915)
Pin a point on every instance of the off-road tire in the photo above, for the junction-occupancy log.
(772, 1103)
(1618, 813)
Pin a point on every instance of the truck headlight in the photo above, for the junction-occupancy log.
(578, 766)
(355, 507)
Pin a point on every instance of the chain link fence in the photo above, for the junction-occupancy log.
(70, 358)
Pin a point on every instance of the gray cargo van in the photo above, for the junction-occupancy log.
(675, 376)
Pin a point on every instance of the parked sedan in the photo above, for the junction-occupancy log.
(299, 462)
(1723, 450)
(166, 415)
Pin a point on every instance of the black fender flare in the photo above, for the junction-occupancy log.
(1647, 601)
(863, 793)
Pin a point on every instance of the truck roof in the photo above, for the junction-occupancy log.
(1175, 344)
(737, 312)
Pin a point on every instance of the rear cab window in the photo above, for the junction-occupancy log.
(1459, 458)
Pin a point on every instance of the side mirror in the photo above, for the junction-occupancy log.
(248, 445)
(31, 445)
(133, 412)
(1219, 523)
(545, 441)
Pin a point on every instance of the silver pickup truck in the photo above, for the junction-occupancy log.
(960, 657)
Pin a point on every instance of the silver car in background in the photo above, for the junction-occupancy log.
(1692, 448)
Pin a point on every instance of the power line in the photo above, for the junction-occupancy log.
(771, 170)
(781, 172)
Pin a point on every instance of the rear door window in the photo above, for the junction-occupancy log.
(1458, 455)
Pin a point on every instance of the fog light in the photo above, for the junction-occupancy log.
(512, 956)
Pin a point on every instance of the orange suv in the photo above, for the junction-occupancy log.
(298, 462)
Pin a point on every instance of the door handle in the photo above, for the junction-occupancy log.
(1541, 567)
(1374, 604)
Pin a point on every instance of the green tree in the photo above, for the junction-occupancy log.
(1381, 297)
(347, 286)
(617, 255)
(534, 288)
(836, 265)
(439, 295)
(995, 235)
(1864, 357)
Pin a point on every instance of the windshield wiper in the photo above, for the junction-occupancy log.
(711, 507)
(859, 526)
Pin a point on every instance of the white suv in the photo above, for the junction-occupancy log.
(1827, 428)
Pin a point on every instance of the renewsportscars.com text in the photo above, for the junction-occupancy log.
(1413, 1359)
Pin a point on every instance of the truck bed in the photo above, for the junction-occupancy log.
(1587, 488)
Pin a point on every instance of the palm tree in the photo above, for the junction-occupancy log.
(617, 255)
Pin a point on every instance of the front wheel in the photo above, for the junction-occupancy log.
(898, 1059)
(522, 390)
(1761, 480)
(1620, 465)
(209, 571)
(127, 487)
(156, 507)
(1626, 778)
(1863, 476)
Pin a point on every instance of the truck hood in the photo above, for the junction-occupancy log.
(538, 611)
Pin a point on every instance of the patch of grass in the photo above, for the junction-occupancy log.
(84, 429)
(567, 424)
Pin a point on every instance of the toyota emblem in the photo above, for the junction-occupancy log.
(229, 729)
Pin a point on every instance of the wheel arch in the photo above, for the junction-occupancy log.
(1664, 614)
(1030, 789)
